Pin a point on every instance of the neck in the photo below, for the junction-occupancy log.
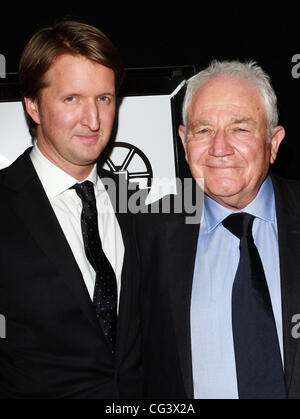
(79, 172)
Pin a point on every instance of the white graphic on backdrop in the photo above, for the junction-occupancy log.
(4, 162)
(144, 138)
(14, 134)
(132, 162)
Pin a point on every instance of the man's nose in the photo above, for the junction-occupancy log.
(91, 116)
(220, 145)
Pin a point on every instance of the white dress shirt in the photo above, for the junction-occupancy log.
(67, 207)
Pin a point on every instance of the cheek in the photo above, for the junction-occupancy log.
(196, 158)
(66, 119)
(59, 120)
(194, 152)
(107, 119)
(255, 158)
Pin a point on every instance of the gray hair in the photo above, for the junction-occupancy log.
(235, 69)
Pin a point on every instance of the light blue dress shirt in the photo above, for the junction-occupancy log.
(214, 371)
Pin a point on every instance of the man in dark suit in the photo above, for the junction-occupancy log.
(221, 297)
(68, 263)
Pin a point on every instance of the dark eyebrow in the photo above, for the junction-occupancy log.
(106, 94)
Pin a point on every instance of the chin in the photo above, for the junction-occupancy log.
(83, 160)
(225, 188)
(89, 155)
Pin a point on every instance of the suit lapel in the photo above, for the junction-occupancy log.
(288, 221)
(182, 245)
(31, 205)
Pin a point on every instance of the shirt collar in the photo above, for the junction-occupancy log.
(54, 180)
(262, 206)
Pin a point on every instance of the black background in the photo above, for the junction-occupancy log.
(158, 34)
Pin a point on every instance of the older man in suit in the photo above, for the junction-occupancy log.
(220, 296)
(68, 265)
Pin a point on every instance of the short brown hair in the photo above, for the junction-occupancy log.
(66, 37)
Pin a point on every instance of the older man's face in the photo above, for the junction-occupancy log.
(226, 140)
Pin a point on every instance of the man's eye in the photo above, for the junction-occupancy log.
(104, 99)
(201, 131)
(238, 129)
(70, 99)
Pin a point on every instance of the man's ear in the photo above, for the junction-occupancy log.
(181, 132)
(277, 136)
(32, 109)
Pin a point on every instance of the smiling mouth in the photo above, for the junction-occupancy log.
(88, 138)
(222, 167)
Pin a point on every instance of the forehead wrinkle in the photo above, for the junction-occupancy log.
(240, 120)
(233, 120)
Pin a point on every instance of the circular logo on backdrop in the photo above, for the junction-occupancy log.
(128, 159)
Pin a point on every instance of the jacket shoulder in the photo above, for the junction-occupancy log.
(287, 194)
(2, 175)
(286, 186)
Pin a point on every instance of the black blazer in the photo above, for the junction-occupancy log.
(54, 346)
(167, 252)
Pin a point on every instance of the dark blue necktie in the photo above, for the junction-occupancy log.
(257, 354)
(105, 293)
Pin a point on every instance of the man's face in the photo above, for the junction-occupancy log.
(74, 113)
(226, 140)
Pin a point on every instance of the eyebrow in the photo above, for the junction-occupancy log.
(233, 120)
(195, 124)
(66, 94)
(242, 120)
(107, 94)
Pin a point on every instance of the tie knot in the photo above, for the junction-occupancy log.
(85, 191)
(239, 224)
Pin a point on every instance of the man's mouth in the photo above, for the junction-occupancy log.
(89, 139)
(220, 167)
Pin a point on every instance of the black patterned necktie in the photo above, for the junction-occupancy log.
(257, 354)
(105, 293)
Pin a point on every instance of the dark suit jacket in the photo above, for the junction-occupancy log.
(167, 253)
(54, 345)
